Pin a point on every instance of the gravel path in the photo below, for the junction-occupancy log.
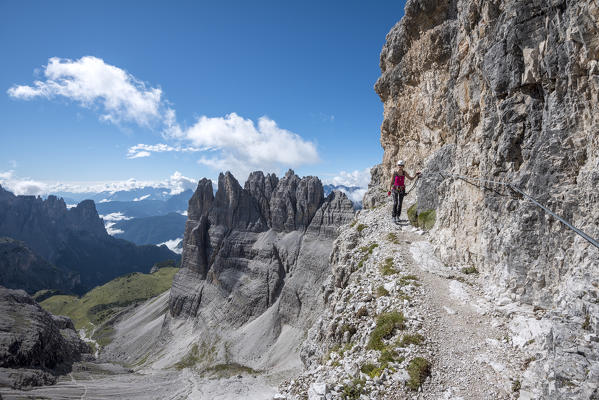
(465, 339)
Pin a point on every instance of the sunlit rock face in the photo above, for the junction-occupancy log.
(507, 91)
(258, 251)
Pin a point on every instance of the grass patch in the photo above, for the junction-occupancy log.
(367, 250)
(409, 339)
(361, 227)
(387, 267)
(469, 270)
(413, 215)
(203, 353)
(407, 279)
(418, 369)
(381, 291)
(362, 312)
(392, 237)
(386, 323)
(353, 390)
(190, 359)
(103, 302)
(426, 219)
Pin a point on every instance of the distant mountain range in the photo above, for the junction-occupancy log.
(151, 230)
(135, 194)
(146, 207)
(72, 239)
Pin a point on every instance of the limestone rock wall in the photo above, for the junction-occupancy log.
(505, 90)
(508, 91)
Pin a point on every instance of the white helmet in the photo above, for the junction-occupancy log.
(400, 162)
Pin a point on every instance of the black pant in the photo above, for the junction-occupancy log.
(398, 196)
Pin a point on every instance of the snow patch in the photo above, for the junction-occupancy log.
(140, 198)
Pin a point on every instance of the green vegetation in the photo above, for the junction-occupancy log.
(469, 270)
(407, 279)
(386, 267)
(392, 237)
(369, 249)
(425, 220)
(418, 369)
(387, 356)
(413, 214)
(381, 291)
(409, 339)
(339, 350)
(348, 328)
(353, 223)
(229, 370)
(205, 352)
(361, 227)
(104, 302)
(165, 264)
(353, 390)
(516, 385)
(366, 252)
(386, 323)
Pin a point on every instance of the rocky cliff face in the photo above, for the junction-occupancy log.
(507, 91)
(35, 346)
(254, 260)
(73, 239)
(20, 268)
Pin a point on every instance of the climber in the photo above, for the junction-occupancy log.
(398, 188)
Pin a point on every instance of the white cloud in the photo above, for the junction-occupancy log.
(175, 184)
(145, 150)
(92, 82)
(360, 178)
(25, 186)
(173, 245)
(112, 231)
(356, 195)
(115, 216)
(6, 175)
(243, 146)
(238, 144)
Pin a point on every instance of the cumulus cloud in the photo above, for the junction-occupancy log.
(91, 82)
(241, 145)
(360, 178)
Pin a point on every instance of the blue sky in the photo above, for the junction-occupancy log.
(220, 85)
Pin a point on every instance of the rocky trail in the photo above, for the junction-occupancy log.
(464, 338)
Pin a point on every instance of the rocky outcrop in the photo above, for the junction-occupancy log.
(73, 239)
(20, 268)
(258, 253)
(506, 91)
(35, 346)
